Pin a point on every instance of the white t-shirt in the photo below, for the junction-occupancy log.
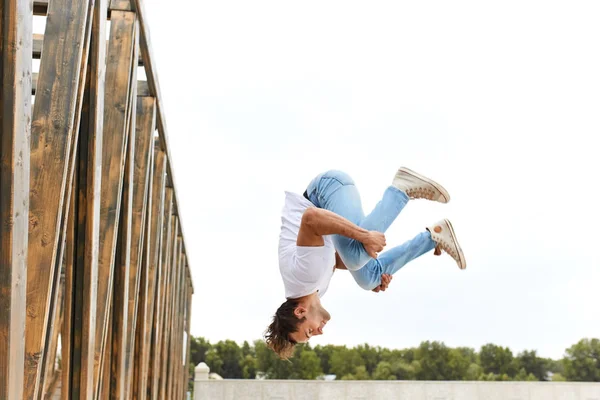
(304, 269)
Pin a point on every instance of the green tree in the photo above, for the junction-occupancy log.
(532, 364)
(582, 361)
(405, 371)
(370, 356)
(460, 360)
(231, 355)
(343, 361)
(434, 359)
(558, 378)
(248, 364)
(324, 353)
(497, 360)
(214, 361)
(198, 348)
(247, 349)
(474, 372)
(270, 364)
(383, 372)
(310, 365)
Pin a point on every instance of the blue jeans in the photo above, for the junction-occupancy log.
(335, 191)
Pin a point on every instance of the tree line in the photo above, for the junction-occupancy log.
(429, 361)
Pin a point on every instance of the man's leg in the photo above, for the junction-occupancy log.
(369, 276)
(335, 191)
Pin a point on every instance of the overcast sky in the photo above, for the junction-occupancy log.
(498, 101)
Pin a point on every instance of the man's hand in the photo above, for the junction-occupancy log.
(374, 242)
(385, 282)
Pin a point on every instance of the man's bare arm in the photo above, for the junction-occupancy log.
(317, 222)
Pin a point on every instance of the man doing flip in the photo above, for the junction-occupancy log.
(326, 229)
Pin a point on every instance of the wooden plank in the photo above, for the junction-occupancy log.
(121, 315)
(69, 206)
(40, 7)
(78, 384)
(140, 339)
(176, 342)
(121, 284)
(152, 76)
(177, 336)
(188, 315)
(116, 112)
(53, 127)
(16, 24)
(122, 5)
(145, 125)
(149, 275)
(163, 274)
(179, 357)
(171, 358)
(38, 45)
(165, 342)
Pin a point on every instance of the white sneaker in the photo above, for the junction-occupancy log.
(419, 187)
(443, 234)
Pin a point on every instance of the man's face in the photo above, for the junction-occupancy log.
(316, 318)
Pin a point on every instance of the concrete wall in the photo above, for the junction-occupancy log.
(392, 390)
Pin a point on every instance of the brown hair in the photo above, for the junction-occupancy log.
(284, 323)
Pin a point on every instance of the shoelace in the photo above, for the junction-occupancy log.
(421, 193)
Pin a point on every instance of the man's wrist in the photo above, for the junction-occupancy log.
(362, 235)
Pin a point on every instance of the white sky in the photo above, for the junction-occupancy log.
(496, 100)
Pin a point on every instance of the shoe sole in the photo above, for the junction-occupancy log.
(463, 263)
(439, 187)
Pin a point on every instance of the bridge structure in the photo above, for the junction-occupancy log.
(95, 283)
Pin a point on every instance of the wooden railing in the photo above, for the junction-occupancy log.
(92, 250)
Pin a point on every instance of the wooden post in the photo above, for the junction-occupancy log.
(171, 356)
(188, 315)
(80, 322)
(16, 23)
(145, 120)
(158, 333)
(53, 127)
(149, 284)
(121, 287)
(165, 342)
(116, 113)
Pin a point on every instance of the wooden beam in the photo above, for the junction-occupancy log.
(16, 24)
(51, 142)
(165, 342)
(121, 5)
(148, 291)
(178, 335)
(145, 125)
(171, 356)
(116, 113)
(38, 47)
(163, 274)
(121, 315)
(121, 279)
(78, 381)
(40, 7)
(188, 321)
